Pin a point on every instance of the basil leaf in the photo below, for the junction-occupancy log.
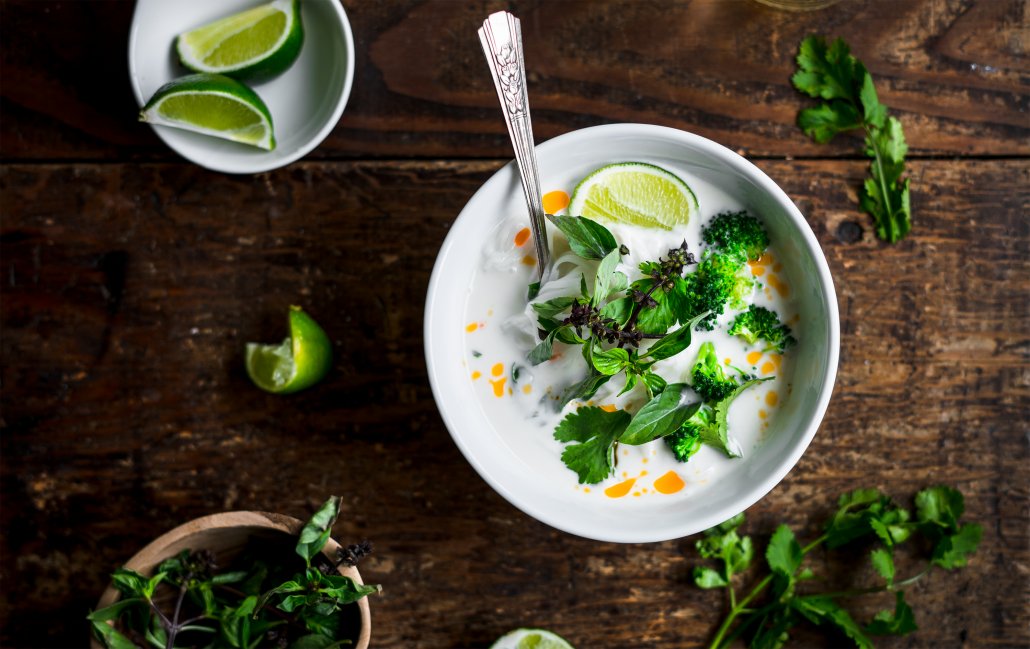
(551, 308)
(315, 533)
(661, 416)
(603, 278)
(655, 383)
(611, 361)
(618, 310)
(584, 389)
(588, 239)
(675, 342)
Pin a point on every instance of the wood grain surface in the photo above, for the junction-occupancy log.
(130, 281)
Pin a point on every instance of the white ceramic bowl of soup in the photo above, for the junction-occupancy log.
(514, 458)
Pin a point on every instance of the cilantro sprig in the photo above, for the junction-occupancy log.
(780, 601)
(830, 72)
(237, 609)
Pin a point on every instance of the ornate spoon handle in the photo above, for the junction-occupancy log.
(501, 36)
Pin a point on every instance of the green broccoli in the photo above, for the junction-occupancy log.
(738, 234)
(710, 382)
(720, 279)
(686, 441)
(709, 425)
(759, 322)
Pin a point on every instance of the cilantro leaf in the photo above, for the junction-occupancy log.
(595, 431)
(823, 610)
(831, 73)
(953, 551)
(706, 577)
(899, 622)
(783, 553)
(883, 562)
(941, 506)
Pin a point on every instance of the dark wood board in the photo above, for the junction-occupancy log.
(128, 291)
(954, 71)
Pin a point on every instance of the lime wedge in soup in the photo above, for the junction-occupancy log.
(531, 639)
(637, 193)
(214, 105)
(257, 43)
(299, 362)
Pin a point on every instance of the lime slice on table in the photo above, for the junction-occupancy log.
(212, 104)
(301, 361)
(531, 639)
(634, 192)
(257, 43)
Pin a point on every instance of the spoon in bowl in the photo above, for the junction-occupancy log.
(501, 37)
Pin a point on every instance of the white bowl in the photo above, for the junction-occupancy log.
(306, 101)
(563, 160)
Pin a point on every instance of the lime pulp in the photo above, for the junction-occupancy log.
(637, 193)
(299, 362)
(531, 639)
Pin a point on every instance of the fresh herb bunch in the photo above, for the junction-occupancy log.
(610, 322)
(864, 517)
(831, 73)
(236, 609)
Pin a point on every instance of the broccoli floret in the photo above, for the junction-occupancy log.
(686, 441)
(720, 279)
(759, 322)
(710, 382)
(738, 234)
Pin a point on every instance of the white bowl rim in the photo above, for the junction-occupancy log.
(261, 163)
(757, 490)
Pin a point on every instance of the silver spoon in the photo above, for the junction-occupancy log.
(501, 36)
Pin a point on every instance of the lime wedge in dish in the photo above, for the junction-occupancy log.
(531, 639)
(637, 193)
(257, 43)
(214, 105)
(299, 362)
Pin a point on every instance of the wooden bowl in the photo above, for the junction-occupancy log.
(226, 535)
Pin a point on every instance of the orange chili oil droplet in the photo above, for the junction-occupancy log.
(498, 386)
(621, 489)
(472, 326)
(754, 357)
(555, 201)
(497, 369)
(522, 237)
(780, 286)
(756, 270)
(608, 407)
(529, 260)
(476, 375)
(767, 368)
(772, 398)
(669, 483)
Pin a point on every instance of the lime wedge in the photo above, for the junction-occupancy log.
(301, 361)
(257, 43)
(531, 639)
(212, 104)
(634, 192)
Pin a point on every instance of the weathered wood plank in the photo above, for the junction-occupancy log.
(954, 71)
(129, 290)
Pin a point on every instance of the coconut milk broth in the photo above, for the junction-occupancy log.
(521, 405)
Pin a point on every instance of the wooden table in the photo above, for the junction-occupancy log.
(131, 280)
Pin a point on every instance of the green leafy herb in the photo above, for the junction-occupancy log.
(588, 239)
(660, 416)
(866, 516)
(236, 609)
(594, 430)
(831, 73)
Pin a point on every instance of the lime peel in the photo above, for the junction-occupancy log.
(638, 193)
(300, 361)
(531, 639)
(260, 42)
(215, 105)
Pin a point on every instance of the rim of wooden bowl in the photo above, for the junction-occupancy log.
(158, 550)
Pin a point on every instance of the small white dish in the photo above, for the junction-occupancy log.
(562, 161)
(306, 101)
